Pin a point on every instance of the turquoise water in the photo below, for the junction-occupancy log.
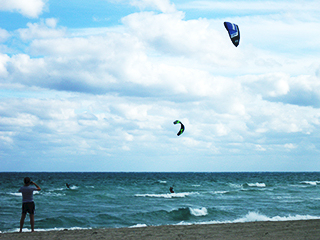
(112, 200)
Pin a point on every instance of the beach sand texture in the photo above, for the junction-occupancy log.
(304, 229)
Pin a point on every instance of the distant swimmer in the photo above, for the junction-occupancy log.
(68, 186)
(171, 190)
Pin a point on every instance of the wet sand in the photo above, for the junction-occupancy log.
(304, 229)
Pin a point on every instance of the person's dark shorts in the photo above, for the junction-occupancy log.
(28, 207)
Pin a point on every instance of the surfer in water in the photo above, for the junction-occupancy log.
(171, 190)
(68, 186)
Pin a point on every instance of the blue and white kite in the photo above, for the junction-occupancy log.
(234, 32)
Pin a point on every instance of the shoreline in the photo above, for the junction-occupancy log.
(295, 229)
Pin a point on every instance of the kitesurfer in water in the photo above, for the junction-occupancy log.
(68, 186)
(171, 190)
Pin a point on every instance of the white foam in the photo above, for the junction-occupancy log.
(163, 182)
(220, 192)
(19, 194)
(54, 194)
(257, 184)
(45, 230)
(313, 183)
(198, 211)
(56, 189)
(233, 185)
(254, 216)
(167, 195)
(257, 217)
(138, 226)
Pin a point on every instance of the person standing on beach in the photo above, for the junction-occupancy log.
(27, 202)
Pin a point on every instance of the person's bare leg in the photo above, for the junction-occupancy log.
(23, 216)
(32, 222)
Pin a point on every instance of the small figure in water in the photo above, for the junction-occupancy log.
(171, 190)
(68, 186)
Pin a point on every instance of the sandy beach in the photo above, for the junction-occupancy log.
(304, 229)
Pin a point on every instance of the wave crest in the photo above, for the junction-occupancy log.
(256, 184)
(167, 195)
(198, 212)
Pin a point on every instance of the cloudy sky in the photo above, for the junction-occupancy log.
(96, 85)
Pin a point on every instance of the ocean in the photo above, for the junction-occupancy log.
(114, 200)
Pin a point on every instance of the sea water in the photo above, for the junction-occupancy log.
(113, 200)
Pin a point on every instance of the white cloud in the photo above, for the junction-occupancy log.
(22, 120)
(163, 5)
(285, 118)
(269, 85)
(30, 8)
(129, 84)
(252, 7)
(3, 65)
(290, 146)
(176, 37)
(45, 29)
(4, 35)
(6, 140)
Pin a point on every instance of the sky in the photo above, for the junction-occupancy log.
(96, 86)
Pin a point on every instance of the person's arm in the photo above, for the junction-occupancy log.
(37, 186)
